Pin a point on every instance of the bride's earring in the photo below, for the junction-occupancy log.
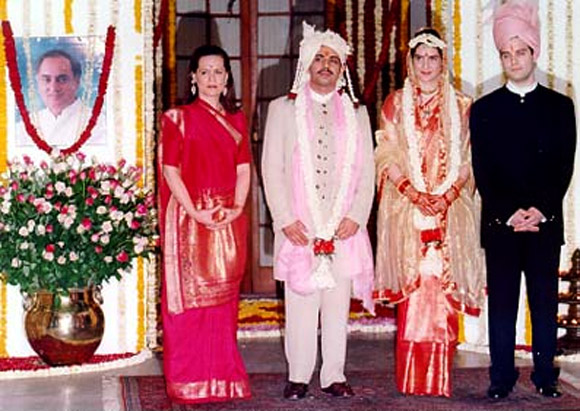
(193, 88)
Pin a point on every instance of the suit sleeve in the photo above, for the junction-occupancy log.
(274, 171)
(501, 204)
(363, 195)
(560, 173)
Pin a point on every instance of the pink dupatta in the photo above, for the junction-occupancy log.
(353, 256)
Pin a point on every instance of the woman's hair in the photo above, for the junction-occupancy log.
(426, 30)
(229, 100)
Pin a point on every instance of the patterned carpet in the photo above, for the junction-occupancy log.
(375, 391)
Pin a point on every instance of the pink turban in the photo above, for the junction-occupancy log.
(517, 19)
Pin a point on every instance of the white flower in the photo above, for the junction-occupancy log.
(30, 225)
(25, 245)
(95, 238)
(105, 186)
(47, 256)
(107, 227)
(108, 259)
(80, 229)
(61, 260)
(15, 262)
(68, 191)
(119, 191)
(23, 231)
(60, 244)
(60, 218)
(40, 229)
(5, 207)
(125, 198)
(73, 256)
(60, 186)
(68, 222)
(105, 239)
(101, 210)
(117, 215)
(59, 167)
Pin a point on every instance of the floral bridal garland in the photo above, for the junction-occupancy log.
(322, 276)
(416, 175)
(16, 84)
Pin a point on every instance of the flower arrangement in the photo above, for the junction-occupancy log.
(72, 223)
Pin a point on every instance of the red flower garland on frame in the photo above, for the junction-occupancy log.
(16, 84)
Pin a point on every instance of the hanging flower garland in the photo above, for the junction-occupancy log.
(325, 230)
(16, 84)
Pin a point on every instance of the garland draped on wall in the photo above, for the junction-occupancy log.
(377, 31)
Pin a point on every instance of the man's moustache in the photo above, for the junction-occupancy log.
(325, 71)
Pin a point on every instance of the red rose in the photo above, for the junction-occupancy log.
(50, 248)
(122, 257)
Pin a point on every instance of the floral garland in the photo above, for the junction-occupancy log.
(360, 47)
(108, 362)
(384, 56)
(17, 88)
(550, 17)
(457, 44)
(68, 26)
(322, 276)
(413, 144)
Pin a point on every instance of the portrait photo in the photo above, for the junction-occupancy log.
(60, 79)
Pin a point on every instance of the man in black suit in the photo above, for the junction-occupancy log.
(523, 140)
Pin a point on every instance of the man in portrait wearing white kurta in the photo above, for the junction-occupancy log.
(64, 116)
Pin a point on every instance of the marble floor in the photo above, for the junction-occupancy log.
(84, 392)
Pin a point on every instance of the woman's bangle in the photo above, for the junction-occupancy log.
(403, 185)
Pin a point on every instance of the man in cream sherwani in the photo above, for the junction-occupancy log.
(319, 181)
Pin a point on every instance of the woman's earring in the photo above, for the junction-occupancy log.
(193, 88)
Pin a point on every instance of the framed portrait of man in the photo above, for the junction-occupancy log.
(60, 78)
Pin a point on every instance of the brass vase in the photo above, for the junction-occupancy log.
(64, 330)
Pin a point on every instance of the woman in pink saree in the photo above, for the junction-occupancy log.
(429, 260)
(204, 158)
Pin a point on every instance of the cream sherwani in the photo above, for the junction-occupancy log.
(302, 311)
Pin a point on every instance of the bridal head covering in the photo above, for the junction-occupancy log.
(517, 18)
(311, 42)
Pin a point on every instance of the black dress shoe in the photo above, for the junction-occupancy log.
(295, 390)
(550, 391)
(496, 392)
(339, 389)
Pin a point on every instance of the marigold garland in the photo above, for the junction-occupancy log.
(16, 84)
(68, 26)
(457, 44)
(138, 16)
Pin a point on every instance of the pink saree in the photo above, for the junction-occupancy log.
(202, 269)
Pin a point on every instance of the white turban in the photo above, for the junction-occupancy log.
(311, 43)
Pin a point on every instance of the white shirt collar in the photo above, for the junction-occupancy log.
(521, 90)
(321, 98)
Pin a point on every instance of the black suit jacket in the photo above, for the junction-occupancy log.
(523, 156)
